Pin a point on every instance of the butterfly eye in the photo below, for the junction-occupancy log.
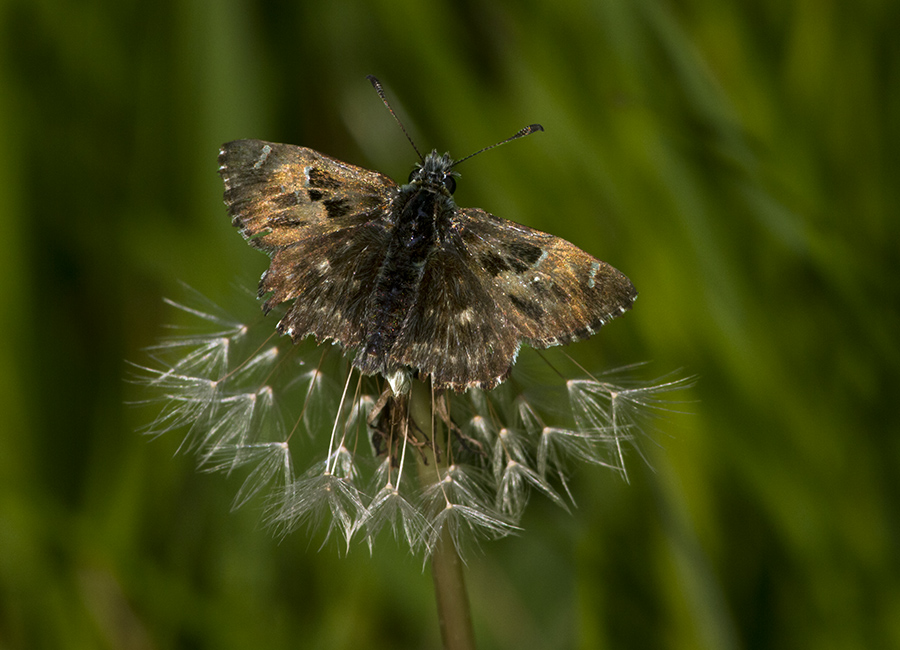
(450, 183)
(412, 175)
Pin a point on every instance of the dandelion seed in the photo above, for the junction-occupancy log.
(316, 497)
(461, 520)
(512, 493)
(272, 462)
(390, 508)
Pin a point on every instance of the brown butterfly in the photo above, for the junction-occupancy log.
(414, 284)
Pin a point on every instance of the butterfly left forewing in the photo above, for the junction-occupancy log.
(278, 194)
(326, 225)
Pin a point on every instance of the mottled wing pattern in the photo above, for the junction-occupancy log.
(311, 214)
(553, 292)
(493, 284)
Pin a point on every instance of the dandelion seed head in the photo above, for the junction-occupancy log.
(239, 394)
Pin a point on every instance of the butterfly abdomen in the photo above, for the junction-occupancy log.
(414, 237)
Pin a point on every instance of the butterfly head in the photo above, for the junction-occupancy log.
(435, 173)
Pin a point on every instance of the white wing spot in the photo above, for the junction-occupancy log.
(266, 150)
(595, 266)
(467, 315)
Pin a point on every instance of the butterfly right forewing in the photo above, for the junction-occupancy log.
(491, 285)
(550, 291)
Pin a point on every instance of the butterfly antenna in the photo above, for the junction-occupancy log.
(528, 130)
(378, 89)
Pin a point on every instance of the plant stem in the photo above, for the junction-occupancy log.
(452, 600)
(454, 613)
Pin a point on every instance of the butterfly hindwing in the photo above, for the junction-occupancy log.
(456, 333)
(330, 279)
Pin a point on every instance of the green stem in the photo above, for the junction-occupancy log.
(454, 613)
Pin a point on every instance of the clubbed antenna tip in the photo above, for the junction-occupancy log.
(380, 90)
(528, 130)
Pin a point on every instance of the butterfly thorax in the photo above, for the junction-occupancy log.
(423, 207)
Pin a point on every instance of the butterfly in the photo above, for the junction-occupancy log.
(413, 284)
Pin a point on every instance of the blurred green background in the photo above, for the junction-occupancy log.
(738, 160)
